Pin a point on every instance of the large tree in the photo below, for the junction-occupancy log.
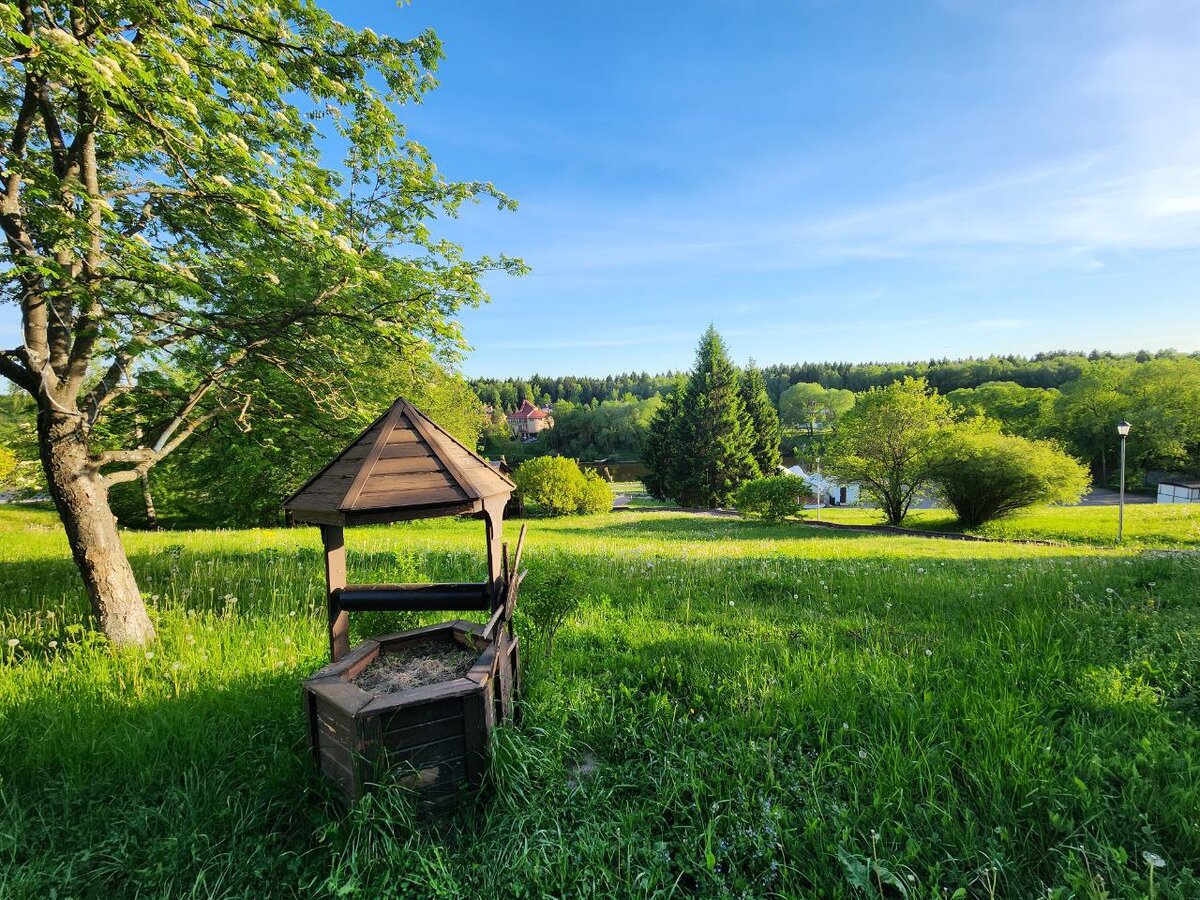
(701, 446)
(890, 443)
(170, 229)
(764, 421)
(808, 404)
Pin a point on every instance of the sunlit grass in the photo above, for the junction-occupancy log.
(752, 703)
(1146, 524)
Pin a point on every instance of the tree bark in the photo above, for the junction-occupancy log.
(148, 498)
(82, 500)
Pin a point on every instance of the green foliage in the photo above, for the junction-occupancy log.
(812, 406)
(764, 421)
(703, 443)
(596, 495)
(984, 475)
(611, 429)
(1024, 411)
(559, 487)
(890, 442)
(553, 592)
(772, 498)
(240, 475)
(659, 450)
(213, 271)
(774, 734)
(8, 464)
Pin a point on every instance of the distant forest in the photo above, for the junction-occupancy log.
(1043, 370)
(1073, 398)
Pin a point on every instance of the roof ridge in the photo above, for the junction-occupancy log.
(460, 445)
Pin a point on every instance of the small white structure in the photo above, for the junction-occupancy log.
(1179, 492)
(832, 493)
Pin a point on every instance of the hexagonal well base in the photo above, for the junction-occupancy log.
(432, 738)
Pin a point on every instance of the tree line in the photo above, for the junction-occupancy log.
(1158, 393)
(1042, 370)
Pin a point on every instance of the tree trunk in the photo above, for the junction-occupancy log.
(82, 500)
(148, 498)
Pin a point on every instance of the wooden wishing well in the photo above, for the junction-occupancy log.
(416, 707)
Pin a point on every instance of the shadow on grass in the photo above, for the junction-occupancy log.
(208, 792)
(700, 528)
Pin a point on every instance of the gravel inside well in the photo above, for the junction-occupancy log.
(415, 665)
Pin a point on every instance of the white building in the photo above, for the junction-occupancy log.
(1179, 492)
(832, 493)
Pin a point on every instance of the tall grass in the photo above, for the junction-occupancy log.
(1147, 525)
(736, 710)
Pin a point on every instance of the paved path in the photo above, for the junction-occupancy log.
(1105, 497)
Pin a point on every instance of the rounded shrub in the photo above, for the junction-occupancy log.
(559, 487)
(984, 475)
(773, 498)
(596, 495)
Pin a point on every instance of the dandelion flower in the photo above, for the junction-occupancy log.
(862, 754)
(1153, 859)
(928, 652)
(12, 642)
(845, 726)
(149, 654)
(53, 644)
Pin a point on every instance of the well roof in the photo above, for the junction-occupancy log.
(404, 466)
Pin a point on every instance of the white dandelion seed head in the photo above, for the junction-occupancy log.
(1153, 859)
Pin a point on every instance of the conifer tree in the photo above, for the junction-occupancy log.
(713, 444)
(763, 419)
(658, 452)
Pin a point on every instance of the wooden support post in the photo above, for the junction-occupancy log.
(493, 515)
(333, 538)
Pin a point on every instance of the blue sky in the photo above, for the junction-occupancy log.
(823, 180)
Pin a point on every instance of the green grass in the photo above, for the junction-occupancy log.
(638, 498)
(1146, 524)
(763, 711)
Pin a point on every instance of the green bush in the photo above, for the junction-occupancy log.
(773, 498)
(985, 475)
(559, 487)
(596, 495)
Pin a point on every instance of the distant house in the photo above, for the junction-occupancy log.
(831, 493)
(529, 421)
(1179, 491)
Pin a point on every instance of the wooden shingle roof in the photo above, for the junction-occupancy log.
(403, 467)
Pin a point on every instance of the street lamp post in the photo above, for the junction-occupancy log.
(1123, 431)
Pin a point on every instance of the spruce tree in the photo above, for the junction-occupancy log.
(658, 452)
(763, 418)
(714, 438)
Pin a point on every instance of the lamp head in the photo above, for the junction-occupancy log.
(1123, 429)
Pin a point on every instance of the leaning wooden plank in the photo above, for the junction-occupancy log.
(489, 629)
(510, 602)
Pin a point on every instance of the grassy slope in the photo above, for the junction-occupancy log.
(767, 708)
(1146, 524)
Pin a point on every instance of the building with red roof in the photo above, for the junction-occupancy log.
(529, 421)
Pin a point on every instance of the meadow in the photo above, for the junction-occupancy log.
(734, 710)
(1147, 525)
